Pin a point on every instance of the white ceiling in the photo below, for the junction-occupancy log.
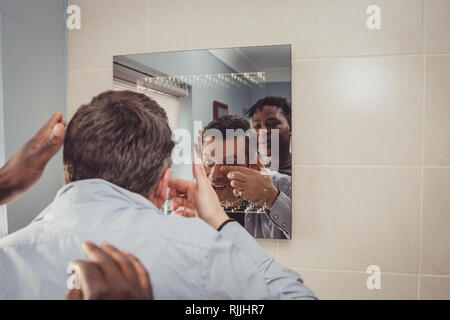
(274, 60)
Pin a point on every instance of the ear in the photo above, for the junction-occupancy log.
(159, 194)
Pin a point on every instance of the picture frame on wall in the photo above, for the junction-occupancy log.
(219, 110)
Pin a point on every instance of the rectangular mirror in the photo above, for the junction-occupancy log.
(237, 101)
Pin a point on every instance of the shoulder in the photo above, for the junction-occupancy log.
(282, 181)
(173, 228)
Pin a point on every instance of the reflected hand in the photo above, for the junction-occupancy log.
(110, 274)
(26, 166)
(198, 198)
(253, 185)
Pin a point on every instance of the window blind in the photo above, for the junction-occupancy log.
(169, 103)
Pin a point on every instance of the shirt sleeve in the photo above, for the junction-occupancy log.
(280, 214)
(280, 282)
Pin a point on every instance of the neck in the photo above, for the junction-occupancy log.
(284, 158)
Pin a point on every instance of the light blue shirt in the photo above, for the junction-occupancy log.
(186, 258)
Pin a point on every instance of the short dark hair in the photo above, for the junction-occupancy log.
(118, 137)
(235, 123)
(151, 105)
(278, 102)
(227, 122)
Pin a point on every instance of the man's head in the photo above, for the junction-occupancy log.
(139, 98)
(220, 150)
(124, 138)
(272, 113)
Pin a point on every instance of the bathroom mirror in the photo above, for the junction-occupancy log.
(235, 103)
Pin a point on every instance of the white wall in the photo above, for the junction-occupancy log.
(34, 85)
(371, 155)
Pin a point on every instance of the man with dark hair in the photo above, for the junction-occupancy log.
(274, 113)
(258, 198)
(116, 158)
(139, 98)
(22, 171)
(108, 139)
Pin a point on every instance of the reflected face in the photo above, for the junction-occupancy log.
(213, 161)
(269, 118)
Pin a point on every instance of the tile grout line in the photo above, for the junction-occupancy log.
(422, 170)
(444, 276)
(413, 274)
(147, 26)
(369, 166)
(368, 56)
(277, 19)
(389, 55)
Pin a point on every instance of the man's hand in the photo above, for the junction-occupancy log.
(26, 166)
(198, 198)
(110, 274)
(253, 185)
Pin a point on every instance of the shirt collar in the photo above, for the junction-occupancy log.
(135, 197)
(93, 185)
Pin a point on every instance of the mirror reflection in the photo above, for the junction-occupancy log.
(231, 109)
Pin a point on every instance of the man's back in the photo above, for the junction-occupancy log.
(186, 258)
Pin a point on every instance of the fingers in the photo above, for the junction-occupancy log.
(244, 170)
(124, 263)
(110, 274)
(187, 213)
(91, 280)
(143, 275)
(259, 164)
(198, 153)
(180, 186)
(181, 202)
(236, 175)
(236, 193)
(238, 184)
(107, 264)
(200, 174)
(54, 131)
(57, 136)
(56, 118)
(74, 294)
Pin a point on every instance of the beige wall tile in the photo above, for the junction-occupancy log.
(347, 285)
(357, 111)
(434, 288)
(350, 218)
(204, 24)
(436, 222)
(437, 127)
(365, 111)
(338, 28)
(437, 25)
(84, 85)
(270, 246)
(108, 28)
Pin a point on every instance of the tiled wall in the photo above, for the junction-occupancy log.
(371, 112)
